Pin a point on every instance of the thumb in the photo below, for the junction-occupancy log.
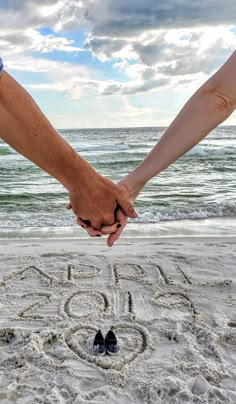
(127, 207)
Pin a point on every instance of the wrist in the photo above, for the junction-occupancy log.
(79, 174)
(132, 186)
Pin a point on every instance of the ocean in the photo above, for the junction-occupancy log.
(195, 196)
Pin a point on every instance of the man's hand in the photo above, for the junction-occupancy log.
(121, 218)
(95, 199)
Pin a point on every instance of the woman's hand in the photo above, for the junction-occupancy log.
(114, 230)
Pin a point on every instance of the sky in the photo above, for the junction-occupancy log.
(115, 63)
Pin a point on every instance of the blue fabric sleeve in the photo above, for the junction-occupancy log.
(1, 66)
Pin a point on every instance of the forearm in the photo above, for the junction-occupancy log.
(206, 109)
(195, 121)
(27, 130)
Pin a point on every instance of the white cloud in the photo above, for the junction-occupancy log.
(72, 80)
(124, 18)
(151, 45)
(30, 40)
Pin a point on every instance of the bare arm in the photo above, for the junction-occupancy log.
(27, 130)
(207, 108)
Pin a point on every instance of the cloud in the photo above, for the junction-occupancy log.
(167, 46)
(114, 18)
(151, 44)
(133, 88)
(22, 14)
(124, 18)
(73, 88)
(109, 48)
(31, 40)
(69, 79)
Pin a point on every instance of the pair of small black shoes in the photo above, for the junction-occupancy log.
(108, 345)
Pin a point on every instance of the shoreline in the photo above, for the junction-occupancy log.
(209, 227)
(121, 241)
(124, 246)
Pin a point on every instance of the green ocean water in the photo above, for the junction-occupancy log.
(199, 186)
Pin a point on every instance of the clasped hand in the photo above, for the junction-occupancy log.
(101, 207)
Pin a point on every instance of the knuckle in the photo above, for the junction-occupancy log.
(96, 225)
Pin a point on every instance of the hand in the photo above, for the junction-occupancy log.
(115, 229)
(115, 232)
(94, 202)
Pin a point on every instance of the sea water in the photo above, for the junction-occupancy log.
(194, 196)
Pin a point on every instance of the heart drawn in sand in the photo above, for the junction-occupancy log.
(133, 339)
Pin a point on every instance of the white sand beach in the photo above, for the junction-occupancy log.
(170, 301)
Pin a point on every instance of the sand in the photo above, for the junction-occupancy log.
(171, 303)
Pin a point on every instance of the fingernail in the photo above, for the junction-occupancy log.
(118, 226)
(87, 222)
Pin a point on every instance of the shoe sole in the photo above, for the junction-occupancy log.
(112, 353)
(99, 354)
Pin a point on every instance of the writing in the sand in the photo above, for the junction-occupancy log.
(82, 290)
